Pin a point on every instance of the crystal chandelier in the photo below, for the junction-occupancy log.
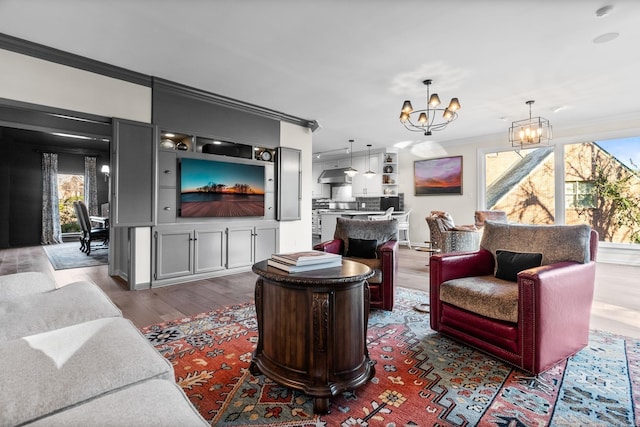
(425, 120)
(531, 131)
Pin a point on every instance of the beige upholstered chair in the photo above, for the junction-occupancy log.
(446, 237)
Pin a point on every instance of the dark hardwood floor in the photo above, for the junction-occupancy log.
(616, 306)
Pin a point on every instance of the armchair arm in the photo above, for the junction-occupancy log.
(443, 267)
(388, 246)
(555, 303)
(334, 246)
(453, 266)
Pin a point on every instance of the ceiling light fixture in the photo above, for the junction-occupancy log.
(369, 173)
(426, 118)
(531, 131)
(350, 171)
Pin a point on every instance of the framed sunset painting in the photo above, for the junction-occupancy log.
(441, 176)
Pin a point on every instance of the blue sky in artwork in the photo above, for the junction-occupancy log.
(197, 173)
(626, 150)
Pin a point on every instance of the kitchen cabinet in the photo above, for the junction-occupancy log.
(367, 186)
(337, 163)
(319, 191)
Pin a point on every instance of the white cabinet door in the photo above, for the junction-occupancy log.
(240, 246)
(319, 191)
(173, 253)
(363, 186)
(210, 250)
(266, 241)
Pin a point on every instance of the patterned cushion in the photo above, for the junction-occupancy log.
(555, 242)
(484, 295)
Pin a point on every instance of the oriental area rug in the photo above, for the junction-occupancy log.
(422, 378)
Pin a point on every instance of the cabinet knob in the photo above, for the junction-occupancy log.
(168, 171)
(167, 208)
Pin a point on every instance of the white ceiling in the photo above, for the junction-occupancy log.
(350, 64)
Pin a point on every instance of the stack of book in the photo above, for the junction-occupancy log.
(304, 261)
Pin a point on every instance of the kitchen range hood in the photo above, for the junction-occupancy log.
(334, 176)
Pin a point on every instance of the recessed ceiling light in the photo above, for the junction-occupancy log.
(605, 38)
(169, 135)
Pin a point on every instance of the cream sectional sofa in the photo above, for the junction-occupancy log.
(70, 359)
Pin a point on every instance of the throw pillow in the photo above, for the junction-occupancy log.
(362, 248)
(511, 263)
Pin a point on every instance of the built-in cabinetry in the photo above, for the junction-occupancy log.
(186, 249)
(191, 251)
(389, 171)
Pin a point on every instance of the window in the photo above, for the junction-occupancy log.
(70, 189)
(579, 194)
(601, 186)
(521, 183)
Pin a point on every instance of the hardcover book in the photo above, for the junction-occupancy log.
(306, 257)
(300, 268)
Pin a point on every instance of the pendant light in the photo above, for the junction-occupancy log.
(369, 173)
(350, 171)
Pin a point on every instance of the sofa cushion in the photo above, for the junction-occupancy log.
(74, 303)
(484, 295)
(55, 370)
(509, 264)
(26, 283)
(362, 248)
(157, 403)
(556, 243)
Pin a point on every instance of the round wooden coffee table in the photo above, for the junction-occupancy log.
(312, 329)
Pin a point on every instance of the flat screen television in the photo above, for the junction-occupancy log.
(213, 188)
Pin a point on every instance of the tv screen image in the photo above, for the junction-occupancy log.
(211, 188)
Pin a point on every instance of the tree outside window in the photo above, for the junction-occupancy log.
(70, 189)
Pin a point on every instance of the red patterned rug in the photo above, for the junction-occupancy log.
(422, 378)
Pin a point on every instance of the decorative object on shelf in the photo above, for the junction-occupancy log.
(182, 146)
(389, 158)
(426, 118)
(369, 173)
(531, 131)
(439, 176)
(350, 171)
(388, 169)
(167, 144)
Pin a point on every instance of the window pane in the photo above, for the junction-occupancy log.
(70, 189)
(521, 183)
(608, 192)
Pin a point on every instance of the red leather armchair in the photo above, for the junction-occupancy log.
(384, 262)
(533, 323)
